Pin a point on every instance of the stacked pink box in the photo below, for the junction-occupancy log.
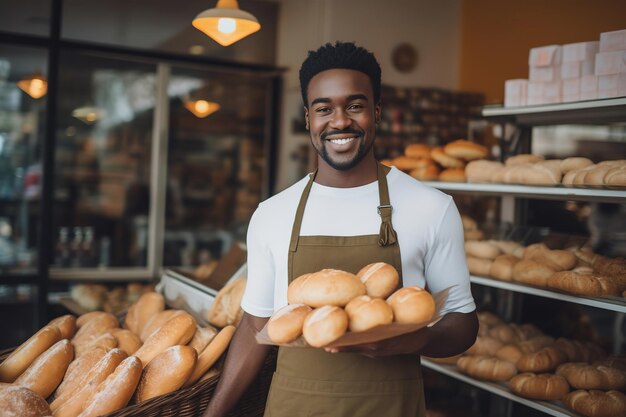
(611, 64)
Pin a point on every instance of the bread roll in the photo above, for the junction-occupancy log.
(365, 312)
(21, 402)
(105, 340)
(544, 360)
(445, 160)
(510, 353)
(167, 372)
(489, 319)
(507, 333)
(574, 163)
(82, 386)
(417, 150)
(473, 235)
(508, 247)
(148, 305)
(486, 368)
(558, 260)
(128, 341)
(77, 369)
(523, 159)
(27, 352)
(380, 279)
(285, 325)
(596, 403)
(177, 331)
(581, 375)
(211, 354)
(531, 272)
(478, 266)
(294, 291)
(616, 176)
(406, 163)
(324, 325)
(583, 284)
(502, 267)
(94, 328)
(226, 309)
(114, 392)
(46, 372)
(66, 324)
(202, 337)
(545, 387)
(331, 287)
(412, 305)
(484, 346)
(573, 350)
(482, 171)
(482, 249)
(464, 149)
(596, 175)
(156, 321)
(429, 172)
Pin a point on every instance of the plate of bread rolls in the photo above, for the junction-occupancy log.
(334, 308)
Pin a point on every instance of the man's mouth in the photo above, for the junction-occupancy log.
(342, 140)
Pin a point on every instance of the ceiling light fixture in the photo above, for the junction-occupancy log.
(35, 86)
(201, 108)
(87, 114)
(226, 23)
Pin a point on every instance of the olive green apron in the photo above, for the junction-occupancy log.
(311, 382)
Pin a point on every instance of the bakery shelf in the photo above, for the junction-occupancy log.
(543, 192)
(614, 304)
(601, 111)
(551, 408)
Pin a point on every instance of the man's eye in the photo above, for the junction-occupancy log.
(355, 107)
(322, 110)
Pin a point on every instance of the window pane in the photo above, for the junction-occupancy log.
(217, 166)
(30, 17)
(102, 176)
(22, 133)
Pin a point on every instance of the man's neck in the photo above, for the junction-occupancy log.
(364, 173)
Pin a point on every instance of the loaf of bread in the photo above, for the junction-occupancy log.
(486, 368)
(582, 375)
(429, 172)
(544, 360)
(27, 352)
(522, 159)
(417, 150)
(167, 372)
(128, 341)
(45, 374)
(77, 369)
(452, 175)
(324, 325)
(380, 279)
(155, 322)
(294, 290)
(177, 331)
(482, 171)
(94, 328)
(105, 340)
(482, 249)
(532, 272)
(116, 390)
(484, 346)
(408, 163)
(502, 267)
(508, 247)
(574, 163)
(21, 402)
(81, 387)
(148, 305)
(84, 318)
(545, 387)
(596, 403)
(465, 149)
(412, 305)
(330, 287)
(66, 324)
(479, 266)
(616, 176)
(365, 312)
(445, 160)
(202, 337)
(226, 309)
(583, 284)
(557, 260)
(285, 325)
(211, 354)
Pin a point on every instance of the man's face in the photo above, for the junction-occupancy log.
(341, 116)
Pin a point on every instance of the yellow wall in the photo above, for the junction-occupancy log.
(496, 35)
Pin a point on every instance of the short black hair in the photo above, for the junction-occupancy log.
(343, 55)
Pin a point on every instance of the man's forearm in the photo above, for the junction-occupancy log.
(452, 335)
(244, 360)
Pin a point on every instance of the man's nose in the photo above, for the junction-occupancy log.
(340, 120)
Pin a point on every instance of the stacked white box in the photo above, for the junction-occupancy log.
(613, 85)
(580, 51)
(571, 89)
(613, 41)
(544, 64)
(515, 92)
(588, 87)
(613, 62)
(543, 93)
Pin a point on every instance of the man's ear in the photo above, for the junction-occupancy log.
(306, 118)
(377, 112)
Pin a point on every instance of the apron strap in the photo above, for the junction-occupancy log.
(297, 223)
(386, 236)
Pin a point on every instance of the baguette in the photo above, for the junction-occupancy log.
(66, 324)
(105, 340)
(77, 368)
(148, 305)
(177, 331)
(596, 403)
(202, 337)
(558, 260)
(486, 368)
(545, 387)
(84, 318)
(532, 272)
(126, 340)
(226, 308)
(94, 328)
(27, 352)
(46, 372)
(155, 322)
(211, 354)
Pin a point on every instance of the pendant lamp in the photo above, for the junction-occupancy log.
(226, 23)
(87, 114)
(201, 108)
(35, 86)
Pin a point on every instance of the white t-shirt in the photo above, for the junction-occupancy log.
(427, 222)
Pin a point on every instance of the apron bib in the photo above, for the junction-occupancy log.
(311, 382)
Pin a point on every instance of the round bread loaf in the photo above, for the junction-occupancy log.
(82, 386)
(77, 369)
(211, 354)
(486, 368)
(481, 249)
(167, 372)
(544, 360)
(285, 325)
(47, 371)
(464, 149)
(479, 266)
(294, 291)
(596, 403)
(524, 158)
(148, 305)
(583, 284)
(502, 267)
(412, 305)
(202, 337)
(66, 324)
(324, 325)
(156, 321)
(484, 346)
(177, 331)
(330, 287)
(226, 309)
(546, 387)
(453, 175)
(482, 170)
(94, 328)
(128, 341)
(27, 352)
(446, 160)
(582, 375)
(417, 150)
(19, 401)
(365, 312)
(428, 172)
(380, 279)
(531, 272)
(116, 390)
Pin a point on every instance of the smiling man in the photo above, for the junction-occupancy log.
(350, 212)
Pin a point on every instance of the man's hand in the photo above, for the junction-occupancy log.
(408, 343)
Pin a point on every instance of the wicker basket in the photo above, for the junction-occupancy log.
(192, 401)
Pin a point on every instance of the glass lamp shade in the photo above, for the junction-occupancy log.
(35, 86)
(201, 108)
(226, 23)
(87, 114)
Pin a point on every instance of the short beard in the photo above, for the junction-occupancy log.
(348, 165)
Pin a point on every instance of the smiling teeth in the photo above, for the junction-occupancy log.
(341, 141)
